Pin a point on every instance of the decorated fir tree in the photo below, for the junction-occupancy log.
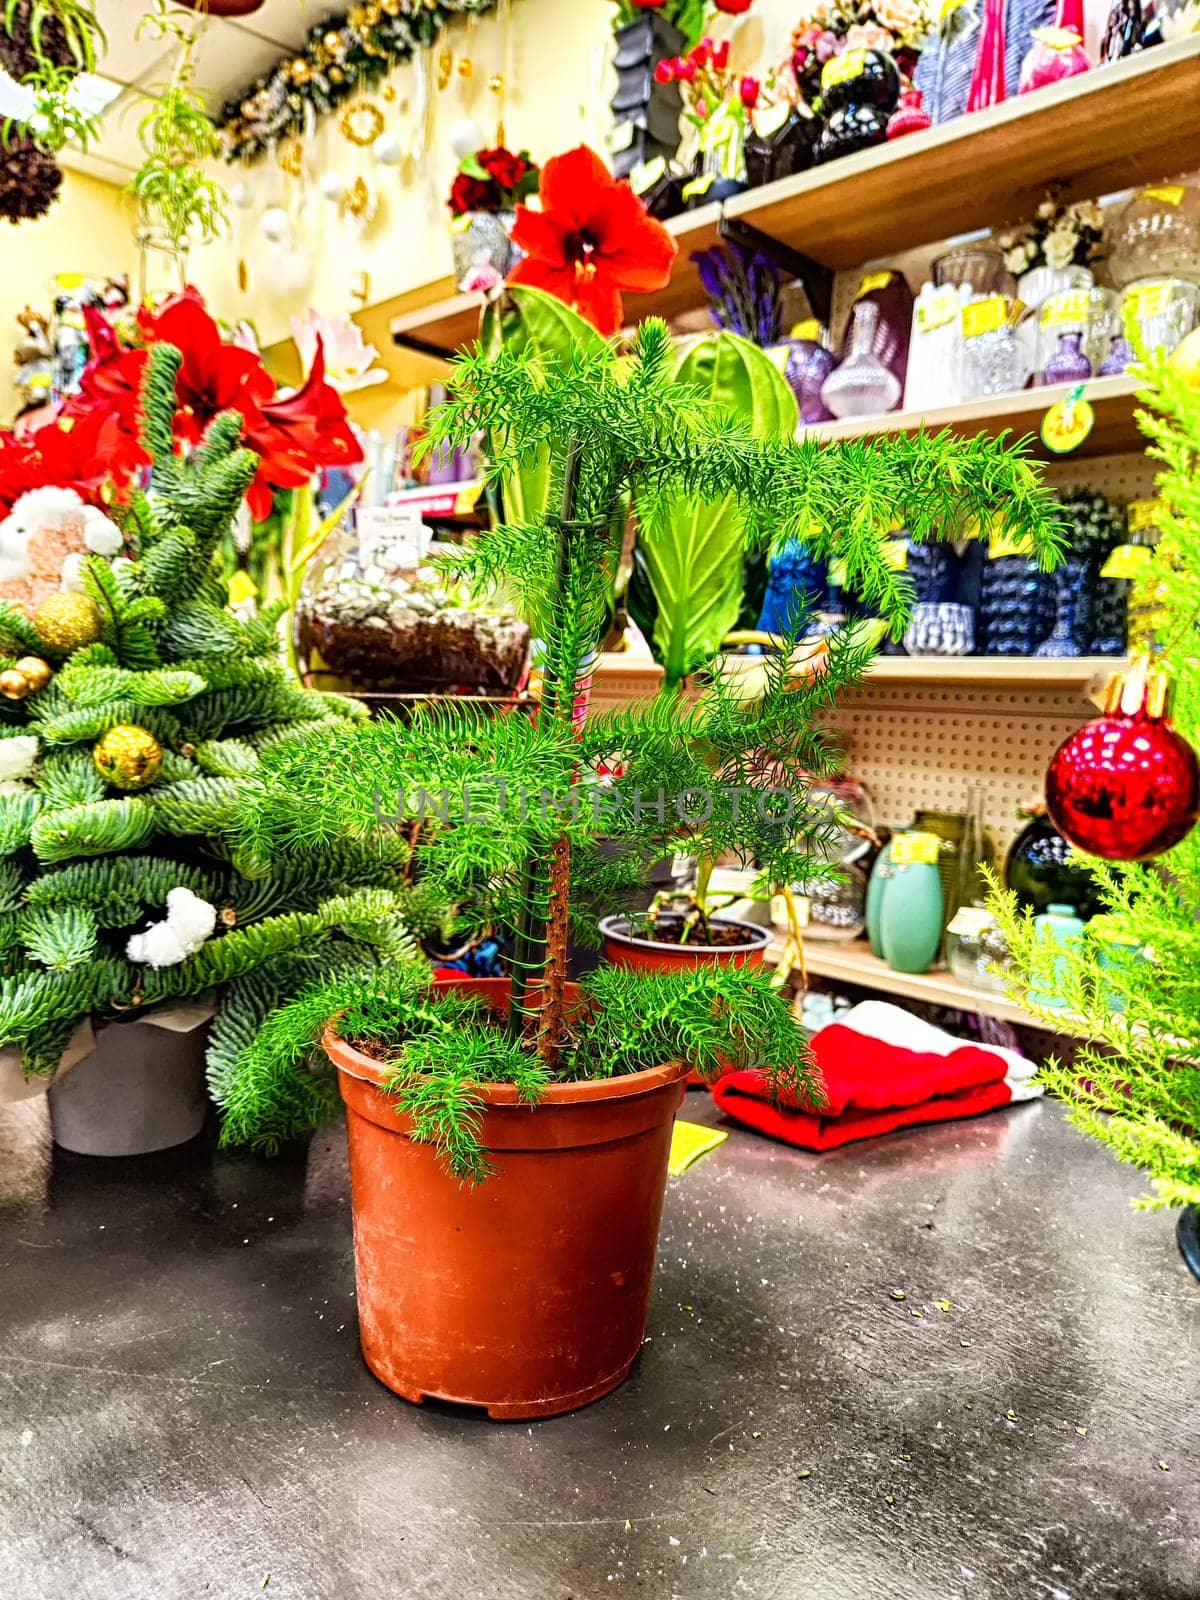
(1126, 787)
(135, 707)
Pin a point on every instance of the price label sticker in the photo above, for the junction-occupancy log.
(838, 573)
(841, 69)
(1171, 194)
(699, 186)
(646, 175)
(1126, 561)
(873, 281)
(909, 849)
(770, 119)
(1141, 514)
(1146, 300)
(937, 309)
(970, 920)
(984, 316)
(1067, 423)
(895, 554)
(1002, 543)
(1067, 310)
(399, 530)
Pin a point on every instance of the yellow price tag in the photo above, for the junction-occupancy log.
(1067, 424)
(700, 185)
(771, 118)
(838, 573)
(937, 309)
(984, 316)
(1171, 194)
(1146, 300)
(1002, 543)
(646, 175)
(872, 281)
(1069, 309)
(242, 587)
(1126, 561)
(840, 69)
(690, 1141)
(911, 849)
(1141, 514)
(895, 554)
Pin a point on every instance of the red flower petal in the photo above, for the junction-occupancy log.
(570, 186)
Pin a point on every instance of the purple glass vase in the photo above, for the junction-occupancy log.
(808, 364)
(1068, 364)
(1120, 354)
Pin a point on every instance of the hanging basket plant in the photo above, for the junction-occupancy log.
(223, 8)
(29, 179)
(63, 34)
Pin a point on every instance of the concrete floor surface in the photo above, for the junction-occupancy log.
(183, 1410)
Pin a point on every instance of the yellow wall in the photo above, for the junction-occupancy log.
(88, 230)
(560, 84)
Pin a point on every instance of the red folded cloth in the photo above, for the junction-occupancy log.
(883, 1069)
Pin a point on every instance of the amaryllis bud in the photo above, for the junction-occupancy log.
(749, 90)
(685, 71)
(720, 55)
(699, 56)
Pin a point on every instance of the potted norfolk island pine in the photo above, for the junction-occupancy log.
(509, 1138)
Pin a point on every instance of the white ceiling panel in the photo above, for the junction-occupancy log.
(286, 22)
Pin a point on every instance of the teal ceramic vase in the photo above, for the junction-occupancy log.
(1057, 925)
(877, 884)
(913, 906)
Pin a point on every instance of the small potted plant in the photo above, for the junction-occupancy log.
(509, 1138)
(483, 201)
(718, 102)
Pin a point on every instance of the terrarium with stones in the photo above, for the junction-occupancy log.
(375, 617)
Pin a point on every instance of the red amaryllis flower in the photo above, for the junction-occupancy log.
(293, 438)
(506, 168)
(591, 240)
(85, 454)
(733, 8)
(471, 194)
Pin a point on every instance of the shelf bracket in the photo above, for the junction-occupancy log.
(423, 347)
(816, 279)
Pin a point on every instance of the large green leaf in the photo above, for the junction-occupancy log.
(693, 552)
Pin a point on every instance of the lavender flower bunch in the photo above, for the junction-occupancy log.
(745, 291)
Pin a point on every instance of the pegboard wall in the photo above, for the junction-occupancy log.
(929, 745)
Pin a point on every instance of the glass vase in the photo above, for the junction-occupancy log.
(862, 386)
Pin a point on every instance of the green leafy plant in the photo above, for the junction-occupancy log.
(62, 33)
(691, 550)
(518, 807)
(92, 852)
(180, 203)
(1134, 1083)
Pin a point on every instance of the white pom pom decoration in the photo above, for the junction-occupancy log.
(101, 534)
(466, 136)
(241, 195)
(333, 186)
(276, 225)
(72, 572)
(17, 757)
(189, 922)
(389, 149)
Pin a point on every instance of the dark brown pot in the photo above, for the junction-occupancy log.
(528, 1294)
(224, 8)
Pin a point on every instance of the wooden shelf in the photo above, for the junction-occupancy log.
(448, 324)
(1000, 671)
(1126, 123)
(851, 961)
(1120, 125)
(1113, 400)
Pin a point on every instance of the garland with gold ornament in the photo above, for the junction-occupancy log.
(339, 58)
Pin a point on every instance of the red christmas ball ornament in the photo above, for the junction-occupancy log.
(1126, 786)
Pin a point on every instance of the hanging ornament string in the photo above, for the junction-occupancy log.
(363, 46)
(498, 82)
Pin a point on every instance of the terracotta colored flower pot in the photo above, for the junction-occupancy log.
(224, 8)
(527, 1294)
(624, 949)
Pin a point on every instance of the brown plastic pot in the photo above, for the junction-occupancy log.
(625, 949)
(526, 1295)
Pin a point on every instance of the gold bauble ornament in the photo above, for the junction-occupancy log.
(334, 43)
(390, 8)
(300, 71)
(336, 75)
(35, 671)
(67, 622)
(128, 757)
(14, 685)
